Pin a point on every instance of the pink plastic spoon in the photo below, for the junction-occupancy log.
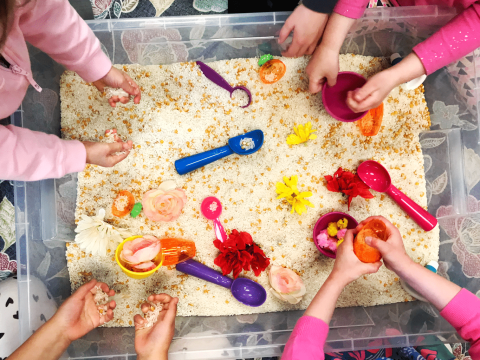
(212, 208)
(377, 177)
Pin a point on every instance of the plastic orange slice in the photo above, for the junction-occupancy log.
(272, 71)
(370, 124)
(123, 203)
(365, 253)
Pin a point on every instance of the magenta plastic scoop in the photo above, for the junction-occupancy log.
(215, 77)
(247, 291)
(212, 209)
(377, 177)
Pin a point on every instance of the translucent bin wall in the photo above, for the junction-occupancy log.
(45, 209)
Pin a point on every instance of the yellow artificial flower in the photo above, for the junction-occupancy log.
(302, 134)
(332, 229)
(342, 223)
(290, 192)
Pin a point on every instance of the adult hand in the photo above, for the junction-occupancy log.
(79, 314)
(323, 66)
(307, 26)
(152, 343)
(118, 79)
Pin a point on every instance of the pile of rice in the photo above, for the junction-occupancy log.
(182, 113)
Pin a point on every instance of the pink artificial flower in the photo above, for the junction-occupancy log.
(332, 245)
(286, 284)
(165, 203)
(341, 233)
(322, 239)
(139, 253)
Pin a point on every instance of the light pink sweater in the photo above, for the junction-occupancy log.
(54, 27)
(457, 38)
(463, 312)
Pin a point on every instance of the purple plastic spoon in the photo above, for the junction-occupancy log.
(212, 209)
(247, 291)
(215, 77)
(377, 177)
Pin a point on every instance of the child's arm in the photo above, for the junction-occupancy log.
(54, 27)
(76, 317)
(459, 307)
(311, 330)
(152, 343)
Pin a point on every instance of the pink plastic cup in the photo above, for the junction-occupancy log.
(334, 97)
(322, 224)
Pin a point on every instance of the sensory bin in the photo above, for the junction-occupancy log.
(182, 113)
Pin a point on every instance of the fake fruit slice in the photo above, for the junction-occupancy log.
(365, 253)
(272, 71)
(123, 203)
(370, 124)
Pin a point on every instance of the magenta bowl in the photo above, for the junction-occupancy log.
(334, 97)
(322, 224)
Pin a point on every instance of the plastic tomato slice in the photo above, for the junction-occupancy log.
(370, 124)
(272, 71)
(365, 253)
(124, 199)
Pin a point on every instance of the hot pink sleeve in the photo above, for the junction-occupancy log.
(351, 8)
(307, 339)
(55, 28)
(457, 38)
(30, 155)
(463, 312)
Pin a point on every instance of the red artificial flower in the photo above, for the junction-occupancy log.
(349, 184)
(240, 252)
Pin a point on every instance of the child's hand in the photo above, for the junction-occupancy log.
(307, 26)
(118, 79)
(373, 93)
(153, 342)
(392, 250)
(348, 267)
(105, 154)
(323, 65)
(79, 314)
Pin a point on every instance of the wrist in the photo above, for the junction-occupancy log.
(160, 356)
(402, 265)
(55, 330)
(338, 279)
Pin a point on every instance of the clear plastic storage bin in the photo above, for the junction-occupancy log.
(45, 209)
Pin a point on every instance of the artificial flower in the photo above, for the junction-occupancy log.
(286, 284)
(139, 253)
(240, 252)
(290, 192)
(165, 203)
(302, 134)
(327, 242)
(95, 236)
(349, 184)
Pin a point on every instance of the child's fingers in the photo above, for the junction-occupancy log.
(163, 298)
(112, 304)
(113, 101)
(286, 30)
(115, 147)
(115, 159)
(172, 311)
(332, 79)
(83, 290)
(294, 48)
(138, 322)
(124, 100)
(371, 268)
(315, 84)
(138, 93)
(145, 307)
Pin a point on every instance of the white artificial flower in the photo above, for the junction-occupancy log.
(95, 236)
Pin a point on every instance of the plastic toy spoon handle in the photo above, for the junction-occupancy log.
(219, 230)
(194, 268)
(213, 76)
(415, 211)
(196, 161)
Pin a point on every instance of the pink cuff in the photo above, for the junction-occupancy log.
(351, 9)
(96, 67)
(74, 156)
(308, 325)
(462, 309)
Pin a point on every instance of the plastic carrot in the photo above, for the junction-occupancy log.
(367, 254)
(370, 124)
(272, 71)
(123, 203)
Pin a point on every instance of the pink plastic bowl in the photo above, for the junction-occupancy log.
(322, 224)
(334, 97)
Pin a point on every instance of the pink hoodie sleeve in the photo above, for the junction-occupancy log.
(351, 9)
(29, 155)
(457, 38)
(55, 28)
(463, 312)
(307, 340)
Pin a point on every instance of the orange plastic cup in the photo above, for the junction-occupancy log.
(365, 253)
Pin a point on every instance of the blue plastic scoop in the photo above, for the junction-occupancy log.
(245, 144)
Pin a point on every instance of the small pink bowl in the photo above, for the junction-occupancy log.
(322, 224)
(334, 97)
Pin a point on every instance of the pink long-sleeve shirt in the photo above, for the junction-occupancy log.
(310, 333)
(54, 27)
(457, 38)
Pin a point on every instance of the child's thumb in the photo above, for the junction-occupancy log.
(332, 80)
(115, 147)
(128, 88)
(172, 311)
(375, 243)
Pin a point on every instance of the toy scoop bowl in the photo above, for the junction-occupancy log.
(215, 77)
(334, 97)
(246, 291)
(322, 224)
(377, 177)
(235, 145)
(212, 209)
